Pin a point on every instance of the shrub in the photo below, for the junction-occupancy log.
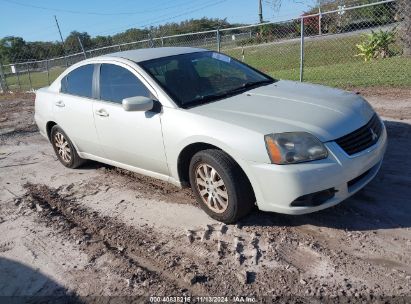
(376, 45)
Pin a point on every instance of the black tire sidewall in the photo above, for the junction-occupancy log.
(231, 213)
(73, 151)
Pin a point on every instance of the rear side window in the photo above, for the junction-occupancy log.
(79, 82)
(117, 83)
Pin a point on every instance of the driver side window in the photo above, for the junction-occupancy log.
(117, 83)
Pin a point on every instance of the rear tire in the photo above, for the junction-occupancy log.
(64, 148)
(220, 186)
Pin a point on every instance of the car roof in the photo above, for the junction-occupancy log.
(153, 53)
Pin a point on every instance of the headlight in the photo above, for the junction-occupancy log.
(294, 147)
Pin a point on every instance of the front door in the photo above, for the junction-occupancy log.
(130, 138)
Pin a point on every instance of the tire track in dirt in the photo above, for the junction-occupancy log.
(129, 248)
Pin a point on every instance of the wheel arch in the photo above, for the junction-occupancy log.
(184, 158)
(49, 126)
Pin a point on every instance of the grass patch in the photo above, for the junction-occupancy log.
(329, 61)
(38, 79)
(393, 72)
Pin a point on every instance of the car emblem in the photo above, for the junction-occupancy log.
(374, 135)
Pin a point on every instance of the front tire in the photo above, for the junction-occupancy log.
(220, 186)
(64, 148)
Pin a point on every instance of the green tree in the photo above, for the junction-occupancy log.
(13, 49)
(100, 41)
(72, 44)
(130, 35)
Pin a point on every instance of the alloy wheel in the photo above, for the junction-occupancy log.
(211, 188)
(62, 146)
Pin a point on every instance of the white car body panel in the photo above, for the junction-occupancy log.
(287, 106)
(75, 114)
(150, 143)
(120, 127)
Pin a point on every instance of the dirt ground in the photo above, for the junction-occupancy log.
(100, 234)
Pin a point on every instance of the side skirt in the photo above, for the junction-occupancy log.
(152, 174)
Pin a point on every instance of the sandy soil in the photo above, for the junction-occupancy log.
(99, 231)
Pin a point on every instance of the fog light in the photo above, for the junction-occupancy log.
(315, 198)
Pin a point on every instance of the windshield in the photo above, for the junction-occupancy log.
(197, 78)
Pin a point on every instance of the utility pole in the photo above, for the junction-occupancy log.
(58, 27)
(260, 11)
(61, 37)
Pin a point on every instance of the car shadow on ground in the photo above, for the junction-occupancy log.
(385, 203)
(20, 283)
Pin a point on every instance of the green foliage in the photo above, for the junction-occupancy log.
(351, 20)
(376, 45)
(72, 44)
(130, 35)
(270, 32)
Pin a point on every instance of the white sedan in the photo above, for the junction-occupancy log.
(195, 117)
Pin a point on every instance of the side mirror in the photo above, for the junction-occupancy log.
(137, 103)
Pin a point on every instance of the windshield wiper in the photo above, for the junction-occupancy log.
(212, 97)
(209, 97)
(251, 84)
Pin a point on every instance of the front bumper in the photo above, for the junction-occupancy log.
(277, 186)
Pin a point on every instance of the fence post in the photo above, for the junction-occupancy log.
(82, 47)
(150, 41)
(302, 51)
(218, 40)
(18, 77)
(3, 82)
(319, 21)
(162, 41)
(28, 71)
(2, 90)
(119, 47)
(48, 71)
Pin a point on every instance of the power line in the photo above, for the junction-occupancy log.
(94, 25)
(163, 20)
(94, 13)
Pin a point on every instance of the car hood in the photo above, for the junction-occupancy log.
(288, 106)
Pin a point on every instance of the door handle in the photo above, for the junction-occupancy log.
(60, 103)
(102, 113)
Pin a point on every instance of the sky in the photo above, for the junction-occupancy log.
(34, 20)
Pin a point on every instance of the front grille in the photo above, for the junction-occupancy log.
(361, 138)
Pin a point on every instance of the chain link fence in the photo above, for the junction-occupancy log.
(319, 47)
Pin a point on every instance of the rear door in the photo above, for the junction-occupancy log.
(130, 138)
(73, 109)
